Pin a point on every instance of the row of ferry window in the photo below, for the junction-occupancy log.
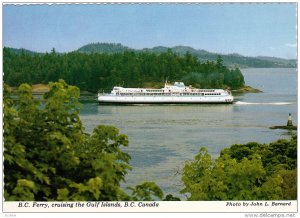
(164, 94)
(202, 90)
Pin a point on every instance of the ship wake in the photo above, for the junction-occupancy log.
(262, 103)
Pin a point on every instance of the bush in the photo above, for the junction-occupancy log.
(244, 172)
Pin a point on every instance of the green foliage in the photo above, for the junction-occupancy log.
(146, 192)
(244, 172)
(48, 156)
(281, 154)
(289, 181)
(93, 71)
(170, 197)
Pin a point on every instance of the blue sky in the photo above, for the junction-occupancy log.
(249, 29)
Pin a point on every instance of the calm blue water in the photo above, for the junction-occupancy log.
(163, 137)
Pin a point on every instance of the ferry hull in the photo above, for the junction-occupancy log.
(163, 100)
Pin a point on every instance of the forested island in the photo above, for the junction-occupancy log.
(229, 60)
(101, 71)
(100, 66)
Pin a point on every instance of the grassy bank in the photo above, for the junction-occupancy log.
(36, 88)
(246, 89)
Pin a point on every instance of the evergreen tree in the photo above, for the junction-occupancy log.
(94, 71)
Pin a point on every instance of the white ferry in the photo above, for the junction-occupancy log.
(170, 94)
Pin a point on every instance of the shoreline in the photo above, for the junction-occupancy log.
(43, 88)
(246, 89)
(40, 89)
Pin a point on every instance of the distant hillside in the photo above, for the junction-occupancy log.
(22, 50)
(279, 60)
(229, 60)
(108, 48)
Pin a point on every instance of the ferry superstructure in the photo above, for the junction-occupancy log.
(177, 93)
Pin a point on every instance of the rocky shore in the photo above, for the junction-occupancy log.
(246, 89)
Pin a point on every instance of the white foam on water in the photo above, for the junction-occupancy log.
(262, 103)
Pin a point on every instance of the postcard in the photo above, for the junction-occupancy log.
(151, 107)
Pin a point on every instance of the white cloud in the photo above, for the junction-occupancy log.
(291, 44)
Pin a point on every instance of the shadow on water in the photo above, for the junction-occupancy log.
(88, 98)
(152, 157)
